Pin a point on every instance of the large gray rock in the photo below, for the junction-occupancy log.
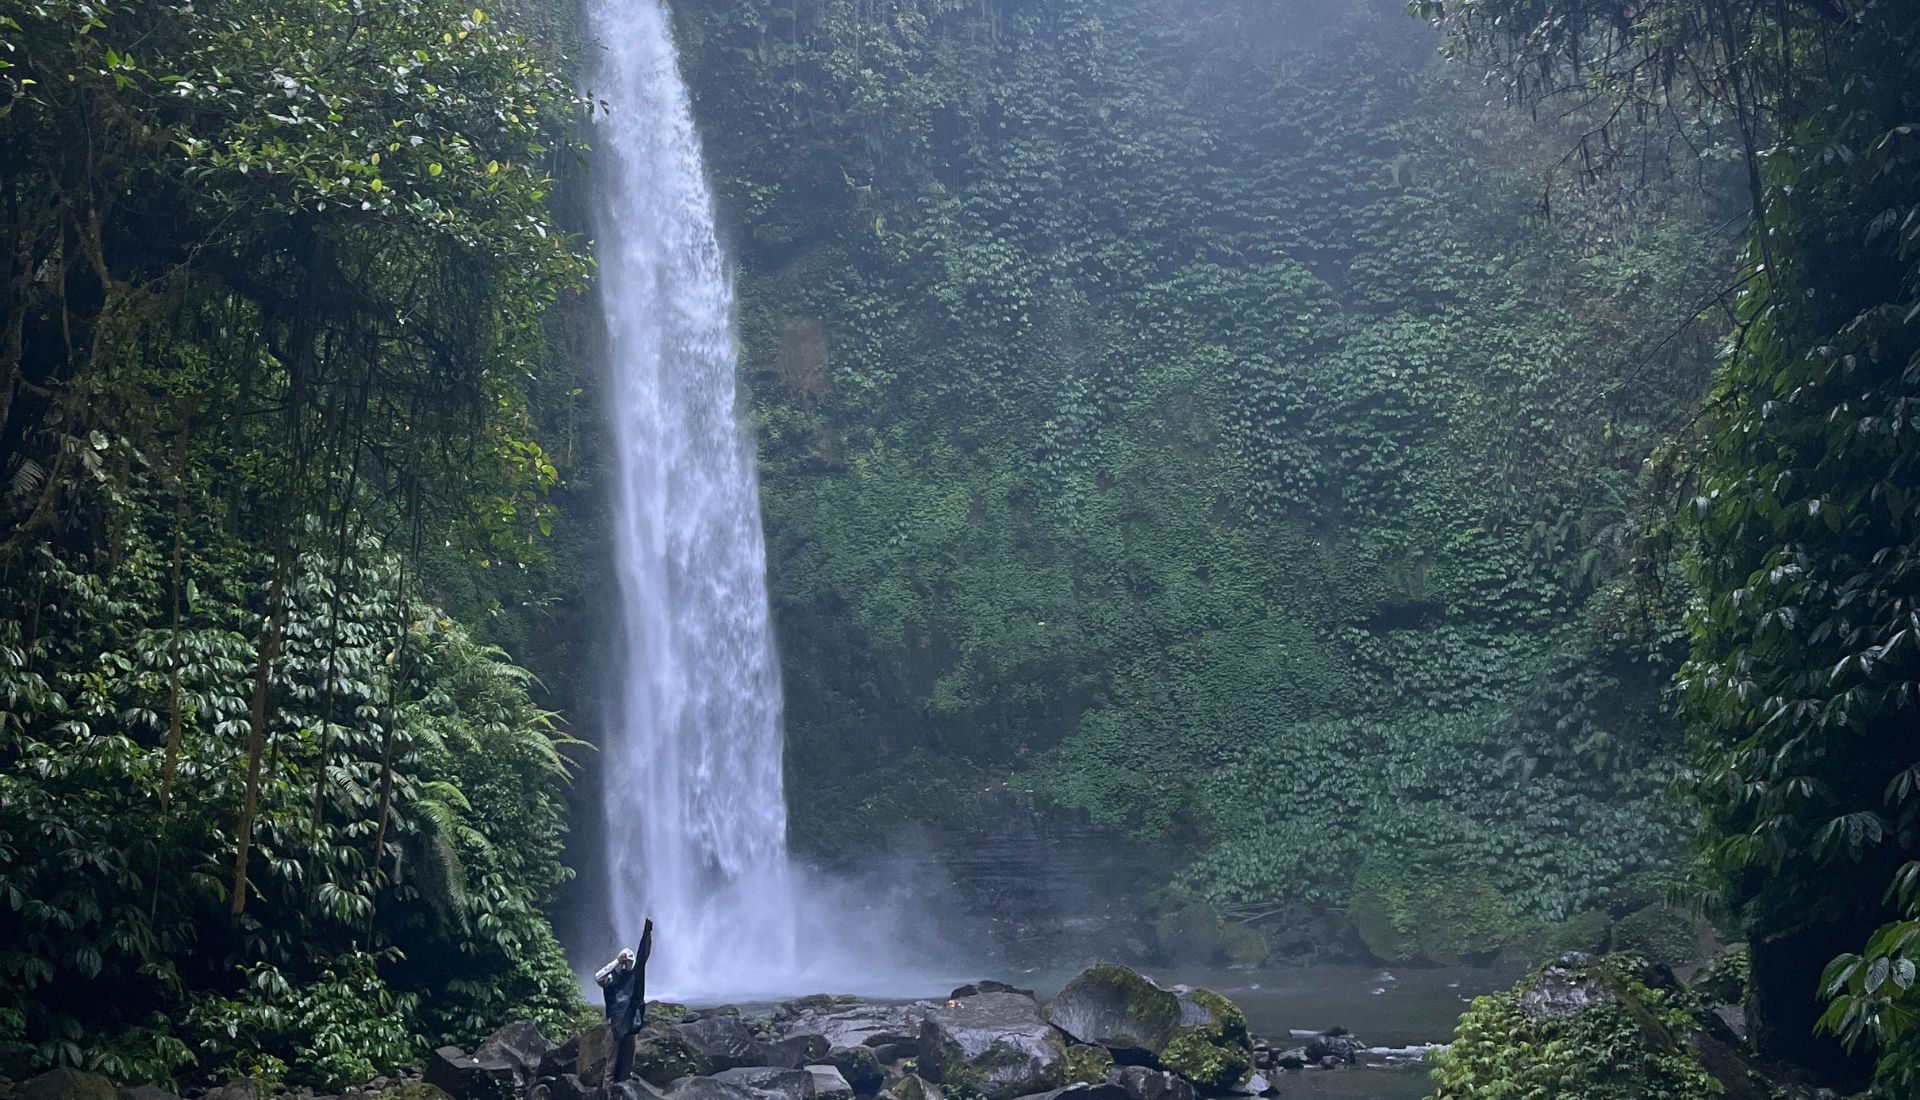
(995, 1043)
(520, 1045)
(466, 1077)
(860, 1066)
(67, 1084)
(1568, 986)
(1114, 1007)
(594, 1055)
(828, 1081)
(708, 1088)
(870, 1025)
(725, 1042)
(1081, 1091)
(1142, 1083)
(146, 1092)
(631, 1089)
(770, 1081)
(661, 1057)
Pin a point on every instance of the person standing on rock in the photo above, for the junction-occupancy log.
(624, 981)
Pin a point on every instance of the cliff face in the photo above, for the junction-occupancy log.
(1181, 415)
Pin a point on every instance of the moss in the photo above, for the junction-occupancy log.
(1153, 1010)
(662, 1058)
(1407, 912)
(1217, 1052)
(665, 1011)
(1087, 1064)
(1624, 1046)
(415, 1090)
(1243, 945)
(1659, 932)
(914, 1087)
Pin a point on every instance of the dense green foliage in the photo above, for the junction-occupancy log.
(1801, 521)
(1626, 1046)
(1172, 410)
(274, 282)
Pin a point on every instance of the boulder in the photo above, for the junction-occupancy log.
(1114, 1007)
(631, 1089)
(67, 1084)
(568, 1086)
(860, 1066)
(871, 1025)
(722, 1042)
(708, 1088)
(792, 1052)
(1256, 1085)
(1563, 988)
(240, 1088)
(661, 1058)
(828, 1081)
(1142, 1083)
(995, 1043)
(595, 1054)
(466, 1077)
(914, 1087)
(1295, 1058)
(1211, 1048)
(559, 1060)
(1337, 1043)
(770, 1081)
(146, 1092)
(1081, 1091)
(520, 1045)
(974, 989)
(1145, 1083)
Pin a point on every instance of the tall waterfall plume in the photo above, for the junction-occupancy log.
(692, 789)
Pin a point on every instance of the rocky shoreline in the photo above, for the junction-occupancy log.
(1110, 1034)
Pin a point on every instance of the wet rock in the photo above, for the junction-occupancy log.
(709, 1088)
(661, 1058)
(1114, 1007)
(1081, 1091)
(568, 1086)
(146, 1092)
(466, 1077)
(829, 1082)
(1212, 1047)
(1734, 1019)
(1564, 988)
(1296, 1058)
(1256, 1085)
(770, 1081)
(860, 1066)
(520, 1045)
(872, 1025)
(559, 1060)
(594, 1055)
(1142, 1083)
(974, 989)
(995, 1043)
(67, 1084)
(1336, 1043)
(240, 1088)
(725, 1042)
(914, 1087)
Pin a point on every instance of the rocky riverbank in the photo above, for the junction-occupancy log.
(1110, 1034)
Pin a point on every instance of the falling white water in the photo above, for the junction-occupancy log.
(696, 813)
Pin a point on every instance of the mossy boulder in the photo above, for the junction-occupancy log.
(1197, 934)
(995, 1044)
(1197, 1034)
(1213, 1048)
(1590, 1028)
(1659, 932)
(1111, 1006)
(661, 1058)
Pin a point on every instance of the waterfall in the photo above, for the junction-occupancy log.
(696, 813)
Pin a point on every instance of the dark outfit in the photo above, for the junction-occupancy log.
(625, 987)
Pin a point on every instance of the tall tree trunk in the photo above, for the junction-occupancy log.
(270, 630)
